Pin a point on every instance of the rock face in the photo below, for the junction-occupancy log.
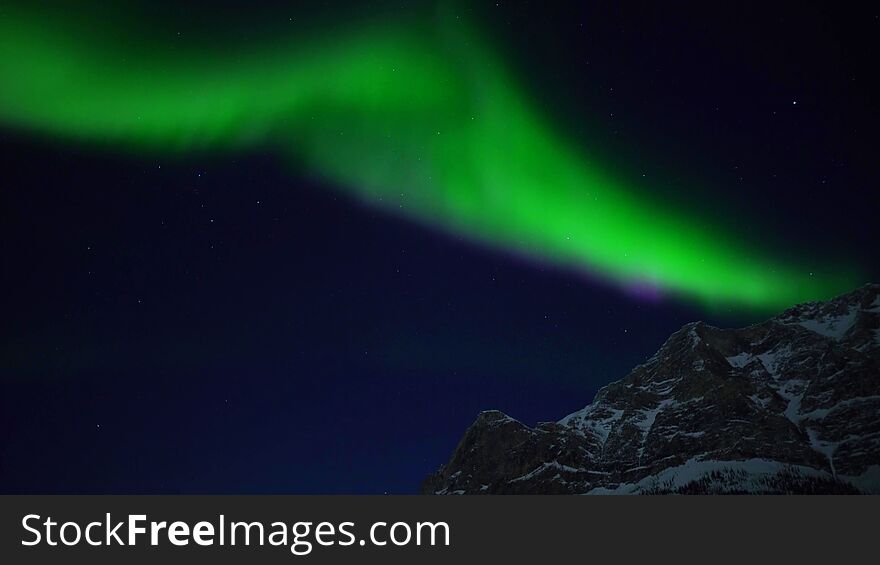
(791, 405)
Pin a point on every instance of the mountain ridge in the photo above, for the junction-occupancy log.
(788, 405)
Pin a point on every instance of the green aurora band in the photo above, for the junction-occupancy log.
(421, 120)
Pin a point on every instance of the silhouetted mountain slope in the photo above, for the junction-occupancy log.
(788, 405)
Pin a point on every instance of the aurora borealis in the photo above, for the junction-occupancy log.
(295, 247)
(424, 120)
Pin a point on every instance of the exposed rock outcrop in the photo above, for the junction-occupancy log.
(788, 405)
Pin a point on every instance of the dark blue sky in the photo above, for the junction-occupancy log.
(219, 323)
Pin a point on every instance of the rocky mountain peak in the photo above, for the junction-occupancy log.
(788, 405)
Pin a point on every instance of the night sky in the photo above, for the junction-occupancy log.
(216, 320)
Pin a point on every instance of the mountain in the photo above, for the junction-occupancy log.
(791, 405)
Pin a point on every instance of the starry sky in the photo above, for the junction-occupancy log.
(230, 292)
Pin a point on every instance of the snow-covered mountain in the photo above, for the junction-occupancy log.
(791, 405)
